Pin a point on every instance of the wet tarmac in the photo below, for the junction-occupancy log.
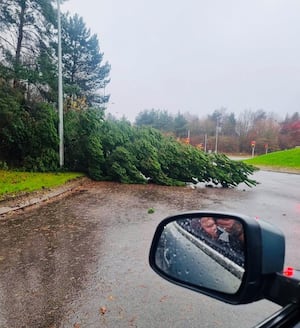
(82, 261)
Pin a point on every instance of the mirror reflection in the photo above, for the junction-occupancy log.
(204, 251)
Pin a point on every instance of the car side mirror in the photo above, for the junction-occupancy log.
(218, 254)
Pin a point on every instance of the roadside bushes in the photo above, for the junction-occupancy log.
(28, 133)
(83, 146)
(40, 148)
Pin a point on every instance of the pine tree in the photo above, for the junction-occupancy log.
(26, 29)
(83, 72)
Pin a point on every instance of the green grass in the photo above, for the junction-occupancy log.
(13, 182)
(281, 159)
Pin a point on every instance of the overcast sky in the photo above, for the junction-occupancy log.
(197, 56)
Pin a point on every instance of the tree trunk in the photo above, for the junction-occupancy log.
(20, 40)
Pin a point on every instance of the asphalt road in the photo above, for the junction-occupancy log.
(82, 261)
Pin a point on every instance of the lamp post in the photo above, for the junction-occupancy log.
(253, 143)
(217, 135)
(205, 142)
(60, 92)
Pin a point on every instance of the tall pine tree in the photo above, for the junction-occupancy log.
(26, 29)
(83, 71)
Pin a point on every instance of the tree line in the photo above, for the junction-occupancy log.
(234, 134)
(104, 148)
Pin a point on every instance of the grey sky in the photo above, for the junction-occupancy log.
(197, 55)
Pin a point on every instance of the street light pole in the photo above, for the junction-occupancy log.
(60, 92)
(217, 134)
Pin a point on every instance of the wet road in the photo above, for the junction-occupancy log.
(82, 261)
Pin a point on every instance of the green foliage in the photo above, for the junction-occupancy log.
(84, 73)
(94, 156)
(180, 125)
(157, 119)
(39, 148)
(46, 79)
(228, 173)
(145, 146)
(163, 121)
(83, 146)
(114, 134)
(27, 27)
(183, 162)
(104, 150)
(120, 167)
(28, 132)
(28, 70)
(136, 154)
(46, 161)
(13, 129)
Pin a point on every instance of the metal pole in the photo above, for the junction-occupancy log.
(60, 93)
(217, 132)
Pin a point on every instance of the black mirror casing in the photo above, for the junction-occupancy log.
(264, 253)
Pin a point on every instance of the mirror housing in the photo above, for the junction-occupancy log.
(264, 249)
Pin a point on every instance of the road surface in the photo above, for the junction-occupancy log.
(82, 261)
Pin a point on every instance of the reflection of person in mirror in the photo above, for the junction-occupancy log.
(209, 226)
(235, 233)
(224, 241)
(206, 228)
(212, 234)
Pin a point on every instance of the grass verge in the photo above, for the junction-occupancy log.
(289, 159)
(13, 182)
